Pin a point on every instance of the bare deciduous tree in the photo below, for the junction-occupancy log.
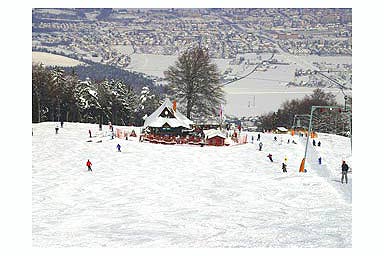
(194, 82)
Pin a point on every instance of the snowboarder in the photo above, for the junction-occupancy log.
(57, 129)
(270, 157)
(61, 124)
(118, 147)
(344, 171)
(319, 160)
(284, 167)
(260, 145)
(314, 143)
(89, 164)
(258, 136)
(318, 143)
(90, 133)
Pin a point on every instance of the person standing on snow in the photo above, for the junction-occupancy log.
(118, 147)
(319, 143)
(314, 143)
(89, 164)
(57, 129)
(284, 167)
(258, 136)
(90, 133)
(344, 171)
(319, 160)
(61, 124)
(270, 157)
(252, 139)
(260, 145)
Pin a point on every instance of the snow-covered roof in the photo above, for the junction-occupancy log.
(177, 119)
(282, 129)
(213, 133)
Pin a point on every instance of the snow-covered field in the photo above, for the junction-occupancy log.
(153, 195)
(50, 59)
(267, 87)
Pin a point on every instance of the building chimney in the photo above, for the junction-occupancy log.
(174, 105)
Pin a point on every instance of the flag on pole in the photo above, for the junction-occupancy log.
(221, 111)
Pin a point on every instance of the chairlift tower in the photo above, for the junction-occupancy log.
(313, 108)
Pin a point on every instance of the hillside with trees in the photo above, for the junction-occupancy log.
(99, 72)
(59, 95)
(336, 121)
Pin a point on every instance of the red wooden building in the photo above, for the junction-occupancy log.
(215, 138)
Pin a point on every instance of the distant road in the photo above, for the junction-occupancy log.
(258, 65)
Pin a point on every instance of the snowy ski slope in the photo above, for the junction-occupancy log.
(152, 195)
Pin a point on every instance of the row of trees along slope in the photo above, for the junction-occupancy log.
(193, 81)
(59, 95)
(335, 121)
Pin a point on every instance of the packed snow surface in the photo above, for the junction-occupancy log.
(152, 195)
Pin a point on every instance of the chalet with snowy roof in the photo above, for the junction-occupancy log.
(166, 120)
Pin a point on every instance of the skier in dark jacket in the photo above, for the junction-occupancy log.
(258, 136)
(89, 164)
(118, 147)
(314, 143)
(57, 129)
(318, 143)
(61, 123)
(284, 167)
(260, 145)
(344, 171)
(90, 133)
(319, 160)
(270, 157)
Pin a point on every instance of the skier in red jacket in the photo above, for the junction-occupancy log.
(89, 164)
